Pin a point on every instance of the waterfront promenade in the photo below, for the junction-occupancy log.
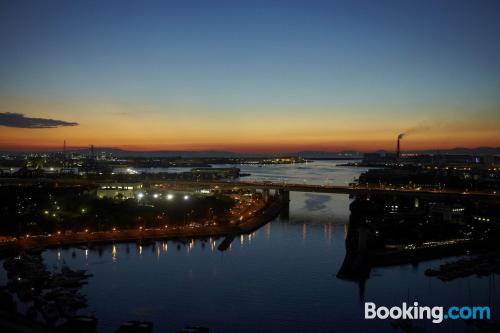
(248, 225)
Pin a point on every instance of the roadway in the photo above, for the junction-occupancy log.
(254, 185)
(249, 224)
(336, 189)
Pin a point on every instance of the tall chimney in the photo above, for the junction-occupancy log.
(398, 150)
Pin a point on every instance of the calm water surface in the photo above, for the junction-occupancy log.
(281, 278)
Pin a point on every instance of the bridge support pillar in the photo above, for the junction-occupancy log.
(285, 211)
(284, 195)
(266, 194)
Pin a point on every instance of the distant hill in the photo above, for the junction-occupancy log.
(159, 153)
(465, 151)
(305, 154)
(480, 151)
(329, 155)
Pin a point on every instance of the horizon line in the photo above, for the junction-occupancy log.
(53, 149)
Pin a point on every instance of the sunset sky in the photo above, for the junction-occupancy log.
(248, 75)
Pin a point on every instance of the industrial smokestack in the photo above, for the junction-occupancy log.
(398, 149)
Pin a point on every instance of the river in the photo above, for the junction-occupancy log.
(282, 278)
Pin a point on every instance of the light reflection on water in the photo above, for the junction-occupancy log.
(272, 281)
(280, 278)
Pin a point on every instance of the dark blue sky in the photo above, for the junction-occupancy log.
(252, 53)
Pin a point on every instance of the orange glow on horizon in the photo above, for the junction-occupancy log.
(370, 146)
(250, 129)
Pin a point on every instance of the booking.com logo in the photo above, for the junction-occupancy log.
(436, 313)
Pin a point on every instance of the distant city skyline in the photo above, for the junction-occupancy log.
(270, 76)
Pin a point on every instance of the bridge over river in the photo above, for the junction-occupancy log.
(339, 189)
(266, 185)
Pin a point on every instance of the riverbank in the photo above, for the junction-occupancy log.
(481, 265)
(357, 265)
(411, 256)
(263, 216)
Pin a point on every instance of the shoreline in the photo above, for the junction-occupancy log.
(265, 215)
(416, 256)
